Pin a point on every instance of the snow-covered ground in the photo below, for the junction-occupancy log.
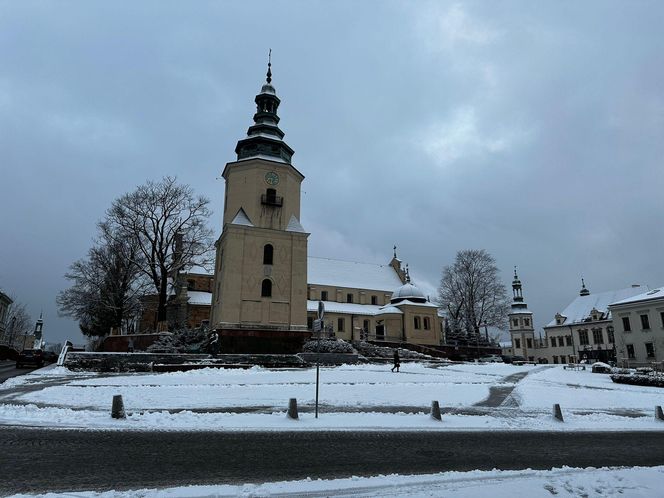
(358, 397)
(605, 482)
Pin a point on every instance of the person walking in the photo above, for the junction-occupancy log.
(214, 343)
(397, 364)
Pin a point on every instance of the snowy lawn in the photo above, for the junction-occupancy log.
(606, 482)
(352, 397)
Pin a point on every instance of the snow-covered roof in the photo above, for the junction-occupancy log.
(338, 273)
(413, 303)
(347, 308)
(241, 218)
(294, 225)
(579, 309)
(646, 296)
(198, 270)
(505, 344)
(200, 297)
(387, 309)
(408, 290)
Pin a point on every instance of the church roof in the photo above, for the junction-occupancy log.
(338, 273)
(578, 311)
(353, 308)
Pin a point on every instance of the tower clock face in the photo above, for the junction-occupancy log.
(272, 178)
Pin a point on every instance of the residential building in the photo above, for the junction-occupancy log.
(638, 324)
(584, 330)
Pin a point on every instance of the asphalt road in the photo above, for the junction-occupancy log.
(8, 369)
(34, 460)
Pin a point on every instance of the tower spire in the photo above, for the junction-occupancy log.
(269, 67)
(583, 291)
(264, 138)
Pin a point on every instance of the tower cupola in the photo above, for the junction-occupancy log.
(516, 288)
(583, 291)
(264, 138)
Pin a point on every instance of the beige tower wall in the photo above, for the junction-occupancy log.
(246, 182)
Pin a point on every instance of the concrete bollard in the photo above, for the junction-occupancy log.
(659, 415)
(118, 411)
(292, 409)
(557, 413)
(435, 410)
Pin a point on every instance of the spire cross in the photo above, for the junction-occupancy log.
(269, 66)
(514, 271)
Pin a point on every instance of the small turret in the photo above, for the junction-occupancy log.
(583, 291)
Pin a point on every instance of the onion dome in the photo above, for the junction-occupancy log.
(265, 138)
(410, 292)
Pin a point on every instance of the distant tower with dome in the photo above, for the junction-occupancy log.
(522, 331)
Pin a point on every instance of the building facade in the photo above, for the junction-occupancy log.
(638, 324)
(5, 304)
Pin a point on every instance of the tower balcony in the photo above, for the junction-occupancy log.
(272, 200)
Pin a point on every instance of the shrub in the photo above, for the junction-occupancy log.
(639, 380)
(328, 346)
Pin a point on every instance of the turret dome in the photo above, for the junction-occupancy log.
(408, 291)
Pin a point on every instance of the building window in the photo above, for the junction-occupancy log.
(349, 298)
(609, 333)
(553, 342)
(568, 340)
(340, 324)
(529, 343)
(517, 343)
(560, 341)
(627, 327)
(526, 322)
(365, 325)
(323, 295)
(555, 359)
(630, 351)
(374, 300)
(310, 322)
(645, 322)
(427, 323)
(191, 284)
(661, 317)
(583, 337)
(598, 337)
(416, 322)
(268, 253)
(515, 322)
(266, 288)
(650, 350)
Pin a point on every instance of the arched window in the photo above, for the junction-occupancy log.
(266, 288)
(416, 322)
(268, 252)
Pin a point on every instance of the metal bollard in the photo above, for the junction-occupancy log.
(118, 411)
(435, 410)
(557, 412)
(659, 415)
(292, 409)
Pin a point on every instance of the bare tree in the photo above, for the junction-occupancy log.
(472, 293)
(106, 286)
(19, 324)
(160, 216)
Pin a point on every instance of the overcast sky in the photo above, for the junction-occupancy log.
(530, 129)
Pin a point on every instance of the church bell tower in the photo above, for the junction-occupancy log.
(260, 282)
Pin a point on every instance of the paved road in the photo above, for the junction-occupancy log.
(8, 369)
(39, 460)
